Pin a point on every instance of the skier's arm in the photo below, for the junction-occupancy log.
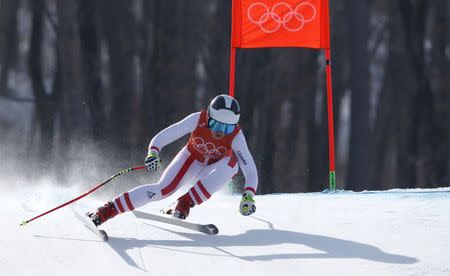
(246, 162)
(174, 132)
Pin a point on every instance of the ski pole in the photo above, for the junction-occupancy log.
(25, 222)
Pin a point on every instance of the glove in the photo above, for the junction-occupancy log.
(153, 162)
(247, 206)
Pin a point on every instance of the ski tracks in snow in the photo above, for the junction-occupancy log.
(141, 255)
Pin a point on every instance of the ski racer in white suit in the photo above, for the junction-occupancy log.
(215, 150)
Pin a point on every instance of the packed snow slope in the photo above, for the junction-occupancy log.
(398, 232)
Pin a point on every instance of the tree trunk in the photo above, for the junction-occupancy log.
(118, 27)
(91, 66)
(424, 132)
(45, 103)
(67, 52)
(358, 163)
(265, 137)
(8, 41)
(151, 62)
(441, 79)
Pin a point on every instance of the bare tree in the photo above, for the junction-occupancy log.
(118, 26)
(67, 60)
(45, 101)
(358, 163)
(440, 75)
(8, 40)
(91, 65)
(424, 132)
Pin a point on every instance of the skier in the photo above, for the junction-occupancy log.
(214, 151)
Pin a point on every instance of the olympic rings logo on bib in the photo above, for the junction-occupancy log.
(292, 20)
(208, 149)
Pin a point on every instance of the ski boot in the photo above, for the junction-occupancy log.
(183, 207)
(103, 213)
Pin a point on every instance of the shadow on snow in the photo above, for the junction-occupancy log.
(330, 247)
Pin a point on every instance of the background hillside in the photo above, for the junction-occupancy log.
(84, 85)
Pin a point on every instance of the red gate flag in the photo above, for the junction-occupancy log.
(284, 23)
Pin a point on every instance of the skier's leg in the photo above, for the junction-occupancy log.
(210, 180)
(181, 170)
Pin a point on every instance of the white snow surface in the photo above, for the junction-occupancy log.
(397, 232)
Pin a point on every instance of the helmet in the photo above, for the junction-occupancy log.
(223, 113)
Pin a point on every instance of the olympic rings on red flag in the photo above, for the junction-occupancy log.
(292, 20)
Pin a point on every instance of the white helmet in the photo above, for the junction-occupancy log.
(224, 109)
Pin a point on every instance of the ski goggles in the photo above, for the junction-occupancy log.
(219, 127)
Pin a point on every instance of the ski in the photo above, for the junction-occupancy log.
(86, 220)
(209, 229)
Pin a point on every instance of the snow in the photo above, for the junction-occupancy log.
(398, 232)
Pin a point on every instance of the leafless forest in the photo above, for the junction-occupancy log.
(88, 83)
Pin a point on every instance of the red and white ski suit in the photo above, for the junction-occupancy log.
(206, 162)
